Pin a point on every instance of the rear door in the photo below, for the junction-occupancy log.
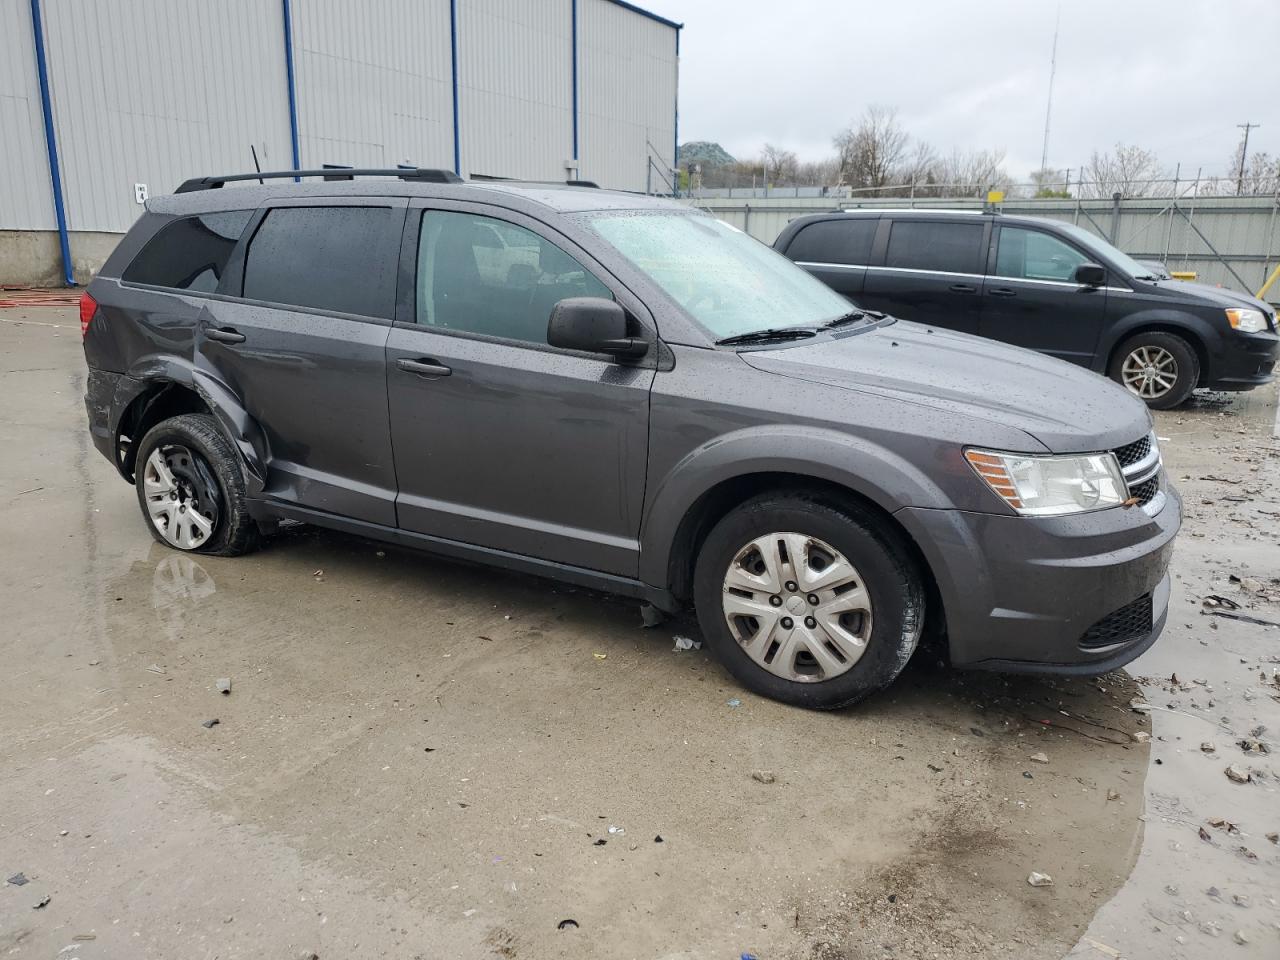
(836, 251)
(1030, 300)
(299, 337)
(501, 440)
(930, 270)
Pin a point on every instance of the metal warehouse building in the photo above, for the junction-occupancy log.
(104, 102)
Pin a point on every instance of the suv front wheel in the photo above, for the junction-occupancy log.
(191, 490)
(807, 602)
(1159, 368)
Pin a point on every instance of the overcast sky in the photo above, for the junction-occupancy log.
(1175, 76)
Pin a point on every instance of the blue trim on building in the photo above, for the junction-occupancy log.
(293, 92)
(573, 19)
(453, 46)
(51, 142)
(646, 13)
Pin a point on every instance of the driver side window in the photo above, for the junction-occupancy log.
(486, 276)
(1032, 255)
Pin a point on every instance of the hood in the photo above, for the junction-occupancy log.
(1067, 408)
(1221, 296)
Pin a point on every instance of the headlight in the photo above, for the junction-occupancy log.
(1247, 321)
(1038, 486)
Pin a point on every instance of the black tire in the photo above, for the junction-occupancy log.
(1184, 355)
(875, 550)
(234, 531)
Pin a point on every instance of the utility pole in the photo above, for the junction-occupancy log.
(1048, 107)
(1244, 152)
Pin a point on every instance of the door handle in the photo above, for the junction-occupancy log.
(963, 288)
(225, 334)
(423, 367)
(1003, 292)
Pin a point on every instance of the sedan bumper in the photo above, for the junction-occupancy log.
(1077, 595)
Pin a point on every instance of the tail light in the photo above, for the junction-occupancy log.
(88, 307)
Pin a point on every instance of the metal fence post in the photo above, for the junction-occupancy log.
(1115, 216)
(746, 219)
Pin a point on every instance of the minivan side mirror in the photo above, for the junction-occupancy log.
(1090, 275)
(592, 324)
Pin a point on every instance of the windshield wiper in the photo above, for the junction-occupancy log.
(852, 316)
(764, 336)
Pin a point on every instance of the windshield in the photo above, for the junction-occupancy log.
(1091, 241)
(730, 283)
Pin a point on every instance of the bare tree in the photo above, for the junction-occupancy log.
(779, 165)
(1261, 177)
(1131, 171)
(818, 173)
(1050, 182)
(971, 173)
(871, 152)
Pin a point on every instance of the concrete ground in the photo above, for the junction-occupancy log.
(424, 759)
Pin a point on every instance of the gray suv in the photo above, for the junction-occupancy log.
(627, 394)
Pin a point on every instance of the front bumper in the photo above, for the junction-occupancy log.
(1247, 360)
(1043, 594)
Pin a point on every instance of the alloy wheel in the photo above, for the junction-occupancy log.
(797, 607)
(1150, 372)
(182, 496)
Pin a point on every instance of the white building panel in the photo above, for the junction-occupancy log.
(156, 91)
(26, 198)
(515, 70)
(627, 68)
(374, 82)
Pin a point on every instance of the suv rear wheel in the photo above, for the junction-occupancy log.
(191, 490)
(1161, 369)
(807, 602)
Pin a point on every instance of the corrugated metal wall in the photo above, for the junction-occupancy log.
(374, 84)
(26, 199)
(515, 87)
(627, 95)
(156, 91)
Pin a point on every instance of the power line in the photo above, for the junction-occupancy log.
(1244, 152)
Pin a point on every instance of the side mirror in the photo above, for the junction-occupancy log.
(592, 324)
(1090, 275)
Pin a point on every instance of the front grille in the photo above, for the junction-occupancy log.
(1133, 452)
(1145, 491)
(1130, 622)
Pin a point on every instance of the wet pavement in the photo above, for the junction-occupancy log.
(424, 758)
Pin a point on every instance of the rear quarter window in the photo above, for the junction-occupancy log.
(834, 241)
(190, 253)
(935, 245)
(336, 258)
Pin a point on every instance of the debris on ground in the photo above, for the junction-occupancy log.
(601, 656)
(617, 831)
(1208, 747)
(1237, 774)
(210, 724)
(1040, 757)
(1273, 837)
(18, 879)
(600, 843)
(1113, 794)
(658, 839)
(155, 668)
(224, 685)
(735, 702)
(1138, 705)
(1039, 879)
(44, 902)
(1141, 736)
(763, 776)
(568, 924)
(650, 616)
(685, 643)
(308, 955)
(1240, 938)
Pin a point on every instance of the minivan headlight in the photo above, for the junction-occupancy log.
(1049, 486)
(1247, 321)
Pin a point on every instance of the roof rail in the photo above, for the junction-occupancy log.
(421, 174)
(490, 178)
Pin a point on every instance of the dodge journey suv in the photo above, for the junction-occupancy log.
(1046, 285)
(624, 393)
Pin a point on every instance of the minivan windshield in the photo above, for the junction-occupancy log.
(1093, 242)
(730, 283)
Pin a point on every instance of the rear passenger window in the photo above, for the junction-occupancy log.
(491, 277)
(327, 258)
(935, 245)
(835, 241)
(189, 254)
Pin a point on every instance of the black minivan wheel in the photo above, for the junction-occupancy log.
(191, 490)
(806, 601)
(1160, 369)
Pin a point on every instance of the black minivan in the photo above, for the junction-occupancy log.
(1043, 284)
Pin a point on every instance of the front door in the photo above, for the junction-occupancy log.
(298, 335)
(501, 440)
(931, 272)
(1030, 300)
